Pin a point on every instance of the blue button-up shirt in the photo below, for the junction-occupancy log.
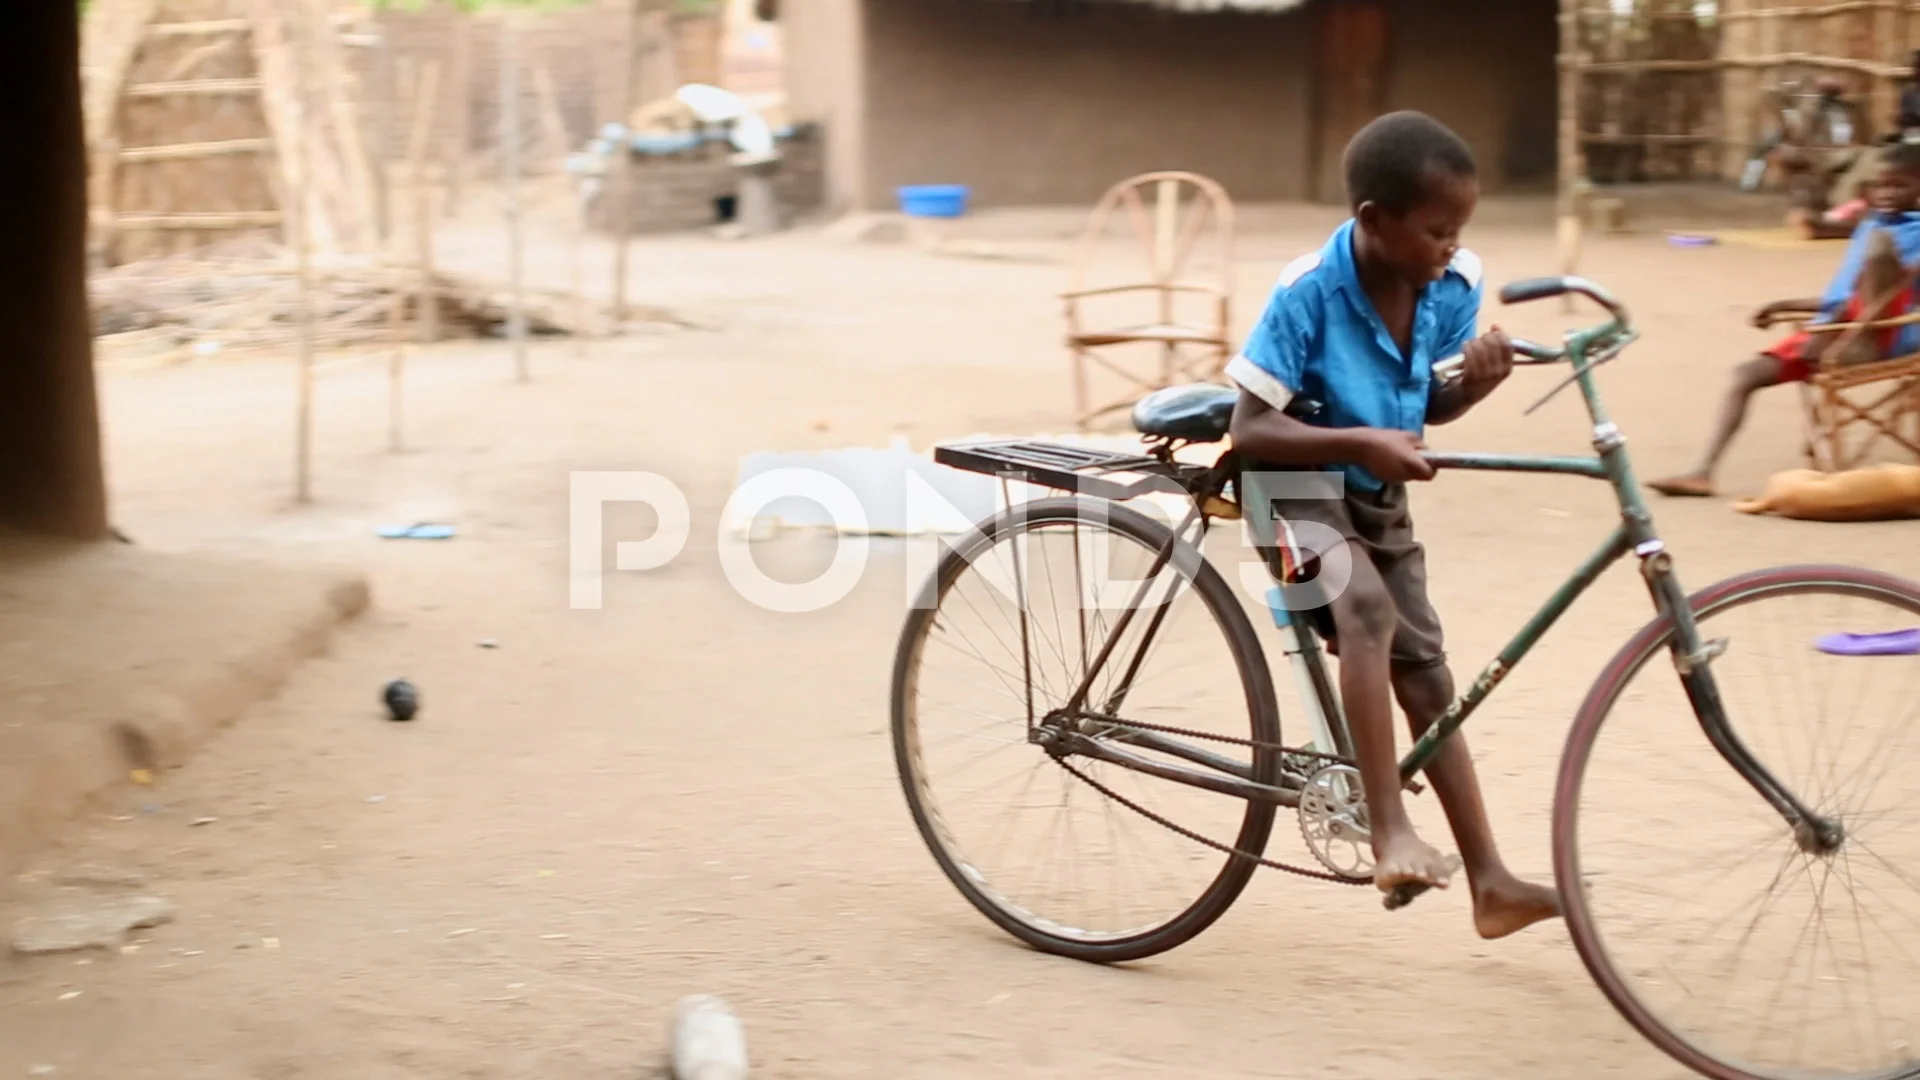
(1321, 338)
(1906, 238)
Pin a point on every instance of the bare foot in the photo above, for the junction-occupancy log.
(1509, 905)
(1406, 860)
(1690, 486)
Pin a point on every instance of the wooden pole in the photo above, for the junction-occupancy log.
(576, 272)
(417, 88)
(1903, 40)
(553, 126)
(396, 362)
(621, 190)
(383, 134)
(110, 42)
(1735, 108)
(460, 140)
(1884, 100)
(106, 162)
(510, 140)
(426, 95)
(396, 349)
(303, 257)
(348, 146)
(1571, 174)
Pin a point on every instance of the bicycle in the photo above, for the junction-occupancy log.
(1092, 729)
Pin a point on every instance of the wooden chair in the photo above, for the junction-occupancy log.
(1843, 429)
(1167, 214)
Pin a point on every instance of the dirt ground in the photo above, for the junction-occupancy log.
(122, 658)
(682, 793)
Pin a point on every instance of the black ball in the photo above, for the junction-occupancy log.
(401, 699)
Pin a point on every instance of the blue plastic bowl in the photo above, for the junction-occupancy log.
(934, 200)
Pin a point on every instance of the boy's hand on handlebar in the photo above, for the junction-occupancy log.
(1487, 361)
(1395, 457)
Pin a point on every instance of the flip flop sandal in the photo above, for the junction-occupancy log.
(419, 531)
(1891, 643)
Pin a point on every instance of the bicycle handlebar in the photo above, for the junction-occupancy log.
(1541, 288)
(1544, 288)
(1524, 352)
(1527, 290)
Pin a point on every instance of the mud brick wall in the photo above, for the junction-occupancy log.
(678, 192)
(697, 49)
(1050, 111)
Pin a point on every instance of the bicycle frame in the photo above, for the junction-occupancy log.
(1634, 535)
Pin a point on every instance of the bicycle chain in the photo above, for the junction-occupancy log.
(1225, 849)
(1255, 744)
(1208, 736)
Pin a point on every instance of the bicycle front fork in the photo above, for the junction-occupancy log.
(1693, 658)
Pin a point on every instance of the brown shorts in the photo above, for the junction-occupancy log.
(1378, 526)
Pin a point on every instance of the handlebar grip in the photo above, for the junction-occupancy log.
(1530, 289)
(1524, 352)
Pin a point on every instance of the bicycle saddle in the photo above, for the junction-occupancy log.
(1198, 412)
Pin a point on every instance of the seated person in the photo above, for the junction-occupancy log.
(1884, 250)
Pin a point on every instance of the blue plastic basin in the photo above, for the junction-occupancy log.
(934, 200)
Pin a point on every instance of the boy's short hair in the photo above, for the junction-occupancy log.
(1390, 161)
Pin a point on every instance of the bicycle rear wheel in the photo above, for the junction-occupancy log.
(974, 682)
(1688, 896)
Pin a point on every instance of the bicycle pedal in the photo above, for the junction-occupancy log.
(1402, 895)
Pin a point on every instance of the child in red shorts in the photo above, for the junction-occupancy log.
(1799, 351)
(1872, 270)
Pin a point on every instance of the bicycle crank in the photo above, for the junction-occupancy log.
(1333, 822)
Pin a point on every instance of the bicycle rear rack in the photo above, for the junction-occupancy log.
(1100, 474)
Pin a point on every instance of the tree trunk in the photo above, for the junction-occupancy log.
(51, 479)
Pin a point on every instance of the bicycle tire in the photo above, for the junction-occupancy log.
(1649, 642)
(1256, 683)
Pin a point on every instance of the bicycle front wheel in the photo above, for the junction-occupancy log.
(1689, 897)
(1048, 856)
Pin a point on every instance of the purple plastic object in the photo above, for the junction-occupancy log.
(1892, 643)
(1690, 240)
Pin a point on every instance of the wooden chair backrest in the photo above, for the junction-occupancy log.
(1167, 214)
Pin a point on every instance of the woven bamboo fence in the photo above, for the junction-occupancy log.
(1678, 90)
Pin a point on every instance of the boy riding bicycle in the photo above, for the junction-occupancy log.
(1358, 327)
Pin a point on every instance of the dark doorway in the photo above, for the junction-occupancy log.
(1351, 84)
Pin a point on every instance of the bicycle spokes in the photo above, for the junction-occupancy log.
(1727, 925)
